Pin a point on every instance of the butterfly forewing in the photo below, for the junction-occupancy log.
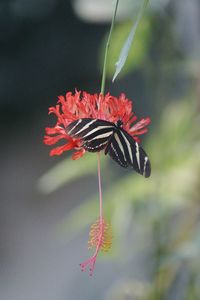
(94, 133)
(79, 127)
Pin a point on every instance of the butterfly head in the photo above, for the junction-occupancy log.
(119, 123)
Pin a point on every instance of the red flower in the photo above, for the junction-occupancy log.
(84, 105)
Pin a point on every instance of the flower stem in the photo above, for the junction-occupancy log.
(100, 190)
(100, 228)
(103, 80)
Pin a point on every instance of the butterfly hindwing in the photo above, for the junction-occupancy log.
(116, 151)
(140, 161)
(127, 152)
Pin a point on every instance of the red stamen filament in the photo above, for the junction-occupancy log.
(100, 232)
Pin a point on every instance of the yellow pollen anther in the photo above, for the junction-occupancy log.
(100, 234)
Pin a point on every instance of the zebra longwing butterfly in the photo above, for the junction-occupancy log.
(99, 134)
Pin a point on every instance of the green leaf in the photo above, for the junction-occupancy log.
(126, 48)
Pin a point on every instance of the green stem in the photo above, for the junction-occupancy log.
(103, 80)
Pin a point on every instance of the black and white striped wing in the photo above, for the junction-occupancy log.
(94, 133)
(126, 152)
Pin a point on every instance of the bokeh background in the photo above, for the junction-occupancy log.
(48, 47)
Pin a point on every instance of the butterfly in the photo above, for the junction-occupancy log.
(98, 134)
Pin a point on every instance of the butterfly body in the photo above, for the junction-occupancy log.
(98, 134)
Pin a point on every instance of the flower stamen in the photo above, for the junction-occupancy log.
(101, 238)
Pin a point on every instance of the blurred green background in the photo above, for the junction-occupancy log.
(49, 47)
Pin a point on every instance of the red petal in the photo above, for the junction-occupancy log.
(54, 130)
(141, 124)
(51, 140)
(59, 150)
(78, 154)
(139, 132)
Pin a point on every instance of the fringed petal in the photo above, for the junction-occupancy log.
(51, 140)
(55, 130)
(78, 154)
(141, 124)
(60, 149)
